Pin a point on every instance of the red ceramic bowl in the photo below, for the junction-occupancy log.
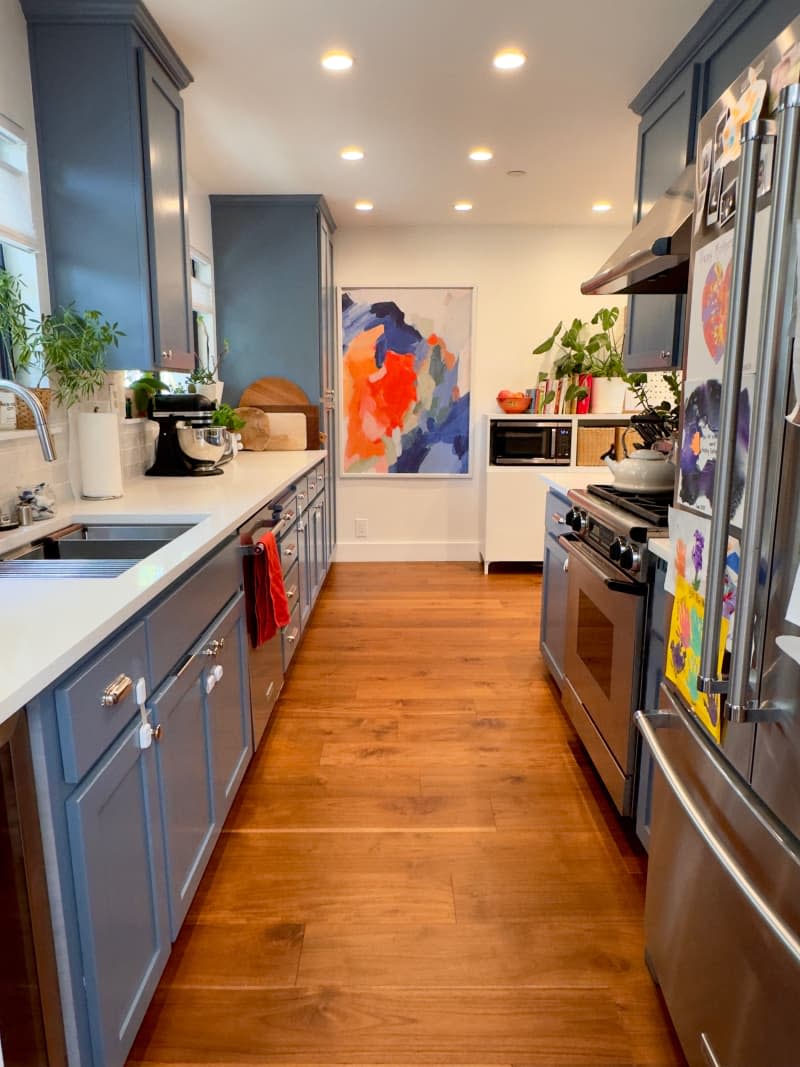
(514, 405)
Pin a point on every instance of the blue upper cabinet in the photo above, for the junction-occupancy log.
(269, 289)
(726, 37)
(110, 134)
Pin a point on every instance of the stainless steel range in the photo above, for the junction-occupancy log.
(607, 600)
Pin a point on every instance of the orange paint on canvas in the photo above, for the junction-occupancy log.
(696, 442)
(448, 358)
(376, 400)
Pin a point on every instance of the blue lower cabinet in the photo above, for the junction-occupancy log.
(230, 725)
(185, 783)
(118, 870)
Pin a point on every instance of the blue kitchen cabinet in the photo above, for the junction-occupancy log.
(109, 122)
(276, 304)
(117, 861)
(553, 619)
(185, 783)
(727, 36)
(659, 611)
(228, 704)
(128, 830)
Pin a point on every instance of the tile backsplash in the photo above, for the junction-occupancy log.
(21, 462)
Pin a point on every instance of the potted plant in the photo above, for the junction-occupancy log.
(73, 348)
(20, 341)
(571, 367)
(657, 423)
(206, 380)
(232, 421)
(609, 380)
(144, 388)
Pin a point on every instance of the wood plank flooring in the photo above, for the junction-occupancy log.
(421, 867)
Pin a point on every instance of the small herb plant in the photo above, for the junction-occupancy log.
(143, 388)
(19, 329)
(227, 417)
(209, 375)
(668, 412)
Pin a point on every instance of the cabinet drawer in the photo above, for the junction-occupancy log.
(286, 505)
(290, 638)
(86, 727)
(303, 497)
(182, 616)
(287, 546)
(291, 579)
(314, 482)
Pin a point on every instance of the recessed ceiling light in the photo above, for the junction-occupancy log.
(516, 173)
(509, 59)
(352, 152)
(364, 205)
(337, 61)
(462, 205)
(481, 155)
(601, 206)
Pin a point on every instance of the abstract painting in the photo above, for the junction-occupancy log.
(406, 355)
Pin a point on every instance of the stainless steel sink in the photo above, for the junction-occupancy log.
(88, 550)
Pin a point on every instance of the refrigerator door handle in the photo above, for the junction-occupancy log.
(770, 389)
(754, 134)
(648, 724)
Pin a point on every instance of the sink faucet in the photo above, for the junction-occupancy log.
(39, 417)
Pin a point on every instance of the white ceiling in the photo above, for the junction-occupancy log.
(263, 117)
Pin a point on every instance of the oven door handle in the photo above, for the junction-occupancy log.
(571, 544)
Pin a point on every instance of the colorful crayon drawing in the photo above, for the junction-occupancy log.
(683, 653)
(405, 381)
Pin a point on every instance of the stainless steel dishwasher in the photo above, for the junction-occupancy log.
(265, 662)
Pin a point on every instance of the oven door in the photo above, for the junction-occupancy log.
(605, 621)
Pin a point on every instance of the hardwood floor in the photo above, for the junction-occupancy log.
(421, 866)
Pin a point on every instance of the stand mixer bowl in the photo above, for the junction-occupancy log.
(203, 445)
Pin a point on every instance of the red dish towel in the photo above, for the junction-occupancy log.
(270, 603)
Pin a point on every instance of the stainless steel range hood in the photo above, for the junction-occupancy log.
(654, 257)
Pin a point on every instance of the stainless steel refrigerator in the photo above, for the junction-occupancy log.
(723, 888)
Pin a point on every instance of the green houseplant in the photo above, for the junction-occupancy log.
(584, 351)
(227, 417)
(144, 388)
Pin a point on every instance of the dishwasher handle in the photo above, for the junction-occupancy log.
(278, 528)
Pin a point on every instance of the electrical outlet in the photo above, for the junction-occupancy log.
(361, 528)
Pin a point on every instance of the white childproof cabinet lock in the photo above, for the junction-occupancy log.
(214, 676)
(147, 732)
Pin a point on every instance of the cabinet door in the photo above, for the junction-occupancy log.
(185, 785)
(165, 175)
(553, 625)
(666, 144)
(328, 365)
(229, 709)
(303, 574)
(118, 868)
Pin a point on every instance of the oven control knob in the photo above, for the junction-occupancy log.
(630, 558)
(577, 520)
(618, 546)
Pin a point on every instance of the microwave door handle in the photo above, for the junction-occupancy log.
(753, 135)
(553, 438)
(760, 495)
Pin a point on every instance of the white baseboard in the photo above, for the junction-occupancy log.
(407, 551)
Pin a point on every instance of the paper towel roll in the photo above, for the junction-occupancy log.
(100, 460)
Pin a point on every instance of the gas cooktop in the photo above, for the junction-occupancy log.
(652, 506)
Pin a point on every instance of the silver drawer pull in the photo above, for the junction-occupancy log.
(116, 691)
(290, 593)
(289, 550)
(312, 486)
(292, 637)
(288, 517)
(557, 518)
(214, 647)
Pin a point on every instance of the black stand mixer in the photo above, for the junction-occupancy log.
(187, 442)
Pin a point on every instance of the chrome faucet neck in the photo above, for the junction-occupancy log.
(39, 418)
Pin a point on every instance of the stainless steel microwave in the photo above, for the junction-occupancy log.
(529, 442)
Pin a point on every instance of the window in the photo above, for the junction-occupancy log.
(205, 341)
(18, 241)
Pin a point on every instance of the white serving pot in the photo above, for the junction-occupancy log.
(644, 469)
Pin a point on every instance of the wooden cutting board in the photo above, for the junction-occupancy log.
(275, 395)
(272, 392)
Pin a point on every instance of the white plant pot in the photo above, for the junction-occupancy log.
(212, 391)
(608, 396)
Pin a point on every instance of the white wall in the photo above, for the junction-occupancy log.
(526, 279)
(16, 102)
(199, 217)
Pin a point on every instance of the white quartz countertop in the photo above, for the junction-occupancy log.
(660, 546)
(565, 478)
(49, 624)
